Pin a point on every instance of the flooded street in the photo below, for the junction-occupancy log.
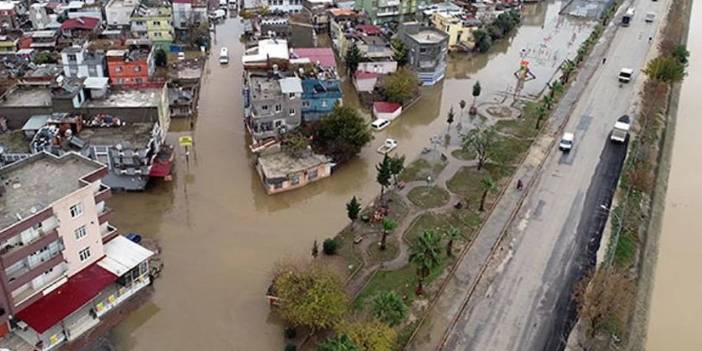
(675, 302)
(220, 232)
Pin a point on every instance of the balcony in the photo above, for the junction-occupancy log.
(105, 215)
(109, 233)
(26, 274)
(10, 255)
(102, 195)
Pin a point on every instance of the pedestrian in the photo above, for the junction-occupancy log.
(604, 59)
(650, 39)
(520, 185)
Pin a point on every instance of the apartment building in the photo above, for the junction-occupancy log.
(132, 66)
(153, 22)
(8, 15)
(189, 13)
(118, 12)
(273, 104)
(428, 48)
(79, 62)
(384, 11)
(59, 255)
(458, 27)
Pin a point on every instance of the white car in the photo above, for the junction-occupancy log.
(380, 124)
(567, 141)
(650, 17)
(389, 145)
(181, 56)
(625, 75)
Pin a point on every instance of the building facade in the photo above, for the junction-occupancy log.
(189, 13)
(280, 172)
(384, 11)
(272, 105)
(428, 49)
(319, 96)
(118, 12)
(153, 23)
(459, 30)
(79, 62)
(131, 67)
(287, 6)
(8, 15)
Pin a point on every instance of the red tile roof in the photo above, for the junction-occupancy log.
(67, 298)
(325, 56)
(87, 23)
(369, 29)
(365, 75)
(386, 107)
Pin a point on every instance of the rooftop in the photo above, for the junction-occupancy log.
(135, 134)
(86, 23)
(322, 56)
(33, 184)
(267, 49)
(128, 98)
(264, 88)
(428, 36)
(24, 97)
(279, 165)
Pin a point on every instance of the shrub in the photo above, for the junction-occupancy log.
(290, 333)
(290, 347)
(329, 246)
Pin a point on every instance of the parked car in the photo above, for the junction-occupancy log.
(567, 141)
(650, 17)
(389, 145)
(380, 124)
(625, 75)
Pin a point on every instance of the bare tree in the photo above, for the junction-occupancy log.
(481, 142)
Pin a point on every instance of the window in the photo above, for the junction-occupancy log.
(157, 34)
(295, 180)
(291, 95)
(305, 104)
(119, 69)
(264, 107)
(278, 123)
(157, 23)
(81, 232)
(312, 174)
(277, 108)
(72, 58)
(137, 68)
(84, 254)
(76, 210)
(324, 103)
(292, 111)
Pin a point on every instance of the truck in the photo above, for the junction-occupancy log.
(628, 16)
(620, 132)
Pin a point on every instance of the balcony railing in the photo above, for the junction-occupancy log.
(102, 195)
(10, 255)
(109, 234)
(105, 215)
(26, 274)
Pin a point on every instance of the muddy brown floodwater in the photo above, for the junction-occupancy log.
(221, 233)
(676, 306)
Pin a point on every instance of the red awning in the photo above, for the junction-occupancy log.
(66, 299)
(386, 107)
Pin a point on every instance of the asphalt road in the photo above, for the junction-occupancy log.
(524, 302)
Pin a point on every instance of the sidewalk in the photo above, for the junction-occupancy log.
(449, 306)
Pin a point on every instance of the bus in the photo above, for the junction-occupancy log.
(223, 56)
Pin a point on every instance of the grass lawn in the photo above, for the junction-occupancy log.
(466, 182)
(509, 150)
(467, 221)
(463, 155)
(521, 128)
(375, 255)
(347, 250)
(421, 168)
(428, 196)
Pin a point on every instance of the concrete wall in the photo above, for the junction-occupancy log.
(89, 219)
(18, 116)
(323, 171)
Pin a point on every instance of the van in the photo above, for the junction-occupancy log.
(625, 75)
(224, 56)
(567, 141)
(380, 124)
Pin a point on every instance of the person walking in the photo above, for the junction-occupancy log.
(520, 185)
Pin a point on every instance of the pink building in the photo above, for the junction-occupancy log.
(59, 255)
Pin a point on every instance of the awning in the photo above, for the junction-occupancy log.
(67, 298)
(122, 254)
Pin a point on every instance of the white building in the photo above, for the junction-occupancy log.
(287, 6)
(188, 12)
(79, 62)
(119, 12)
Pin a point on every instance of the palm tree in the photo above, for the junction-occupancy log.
(548, 102)
(541, 113)
(452, 234)
(425, 254)
(388, 226)
(488, 186)
(556, 88)
(339, 343)
(389, 308)
(567, 68)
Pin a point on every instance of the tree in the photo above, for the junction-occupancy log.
(44, 57)
(342, 134)
(476, 91)
(665, 69)
(548, 102)
(389, 308)
(567, 69)
(352, 58)
(681, 54)
(556, 88)
(160, 58)
(198, 34)
(388, 226)
(400, 52)
(604, 299)
(295, 144)
(481, 142)
(353, 209)
(397, 165)
(400, 86)
(449, 119)
(487, 185)
(339, 343)
(482, 40)
(315, 249)
(309, 295)
(541, 113)
(368, 335)
(452, 234)
(425, 254)
(384, 175)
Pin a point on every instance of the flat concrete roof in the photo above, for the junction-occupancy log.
(279, 165)
(135, 134)
(128, 98)
(428, 36)
(33, 184)
(28, 97)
